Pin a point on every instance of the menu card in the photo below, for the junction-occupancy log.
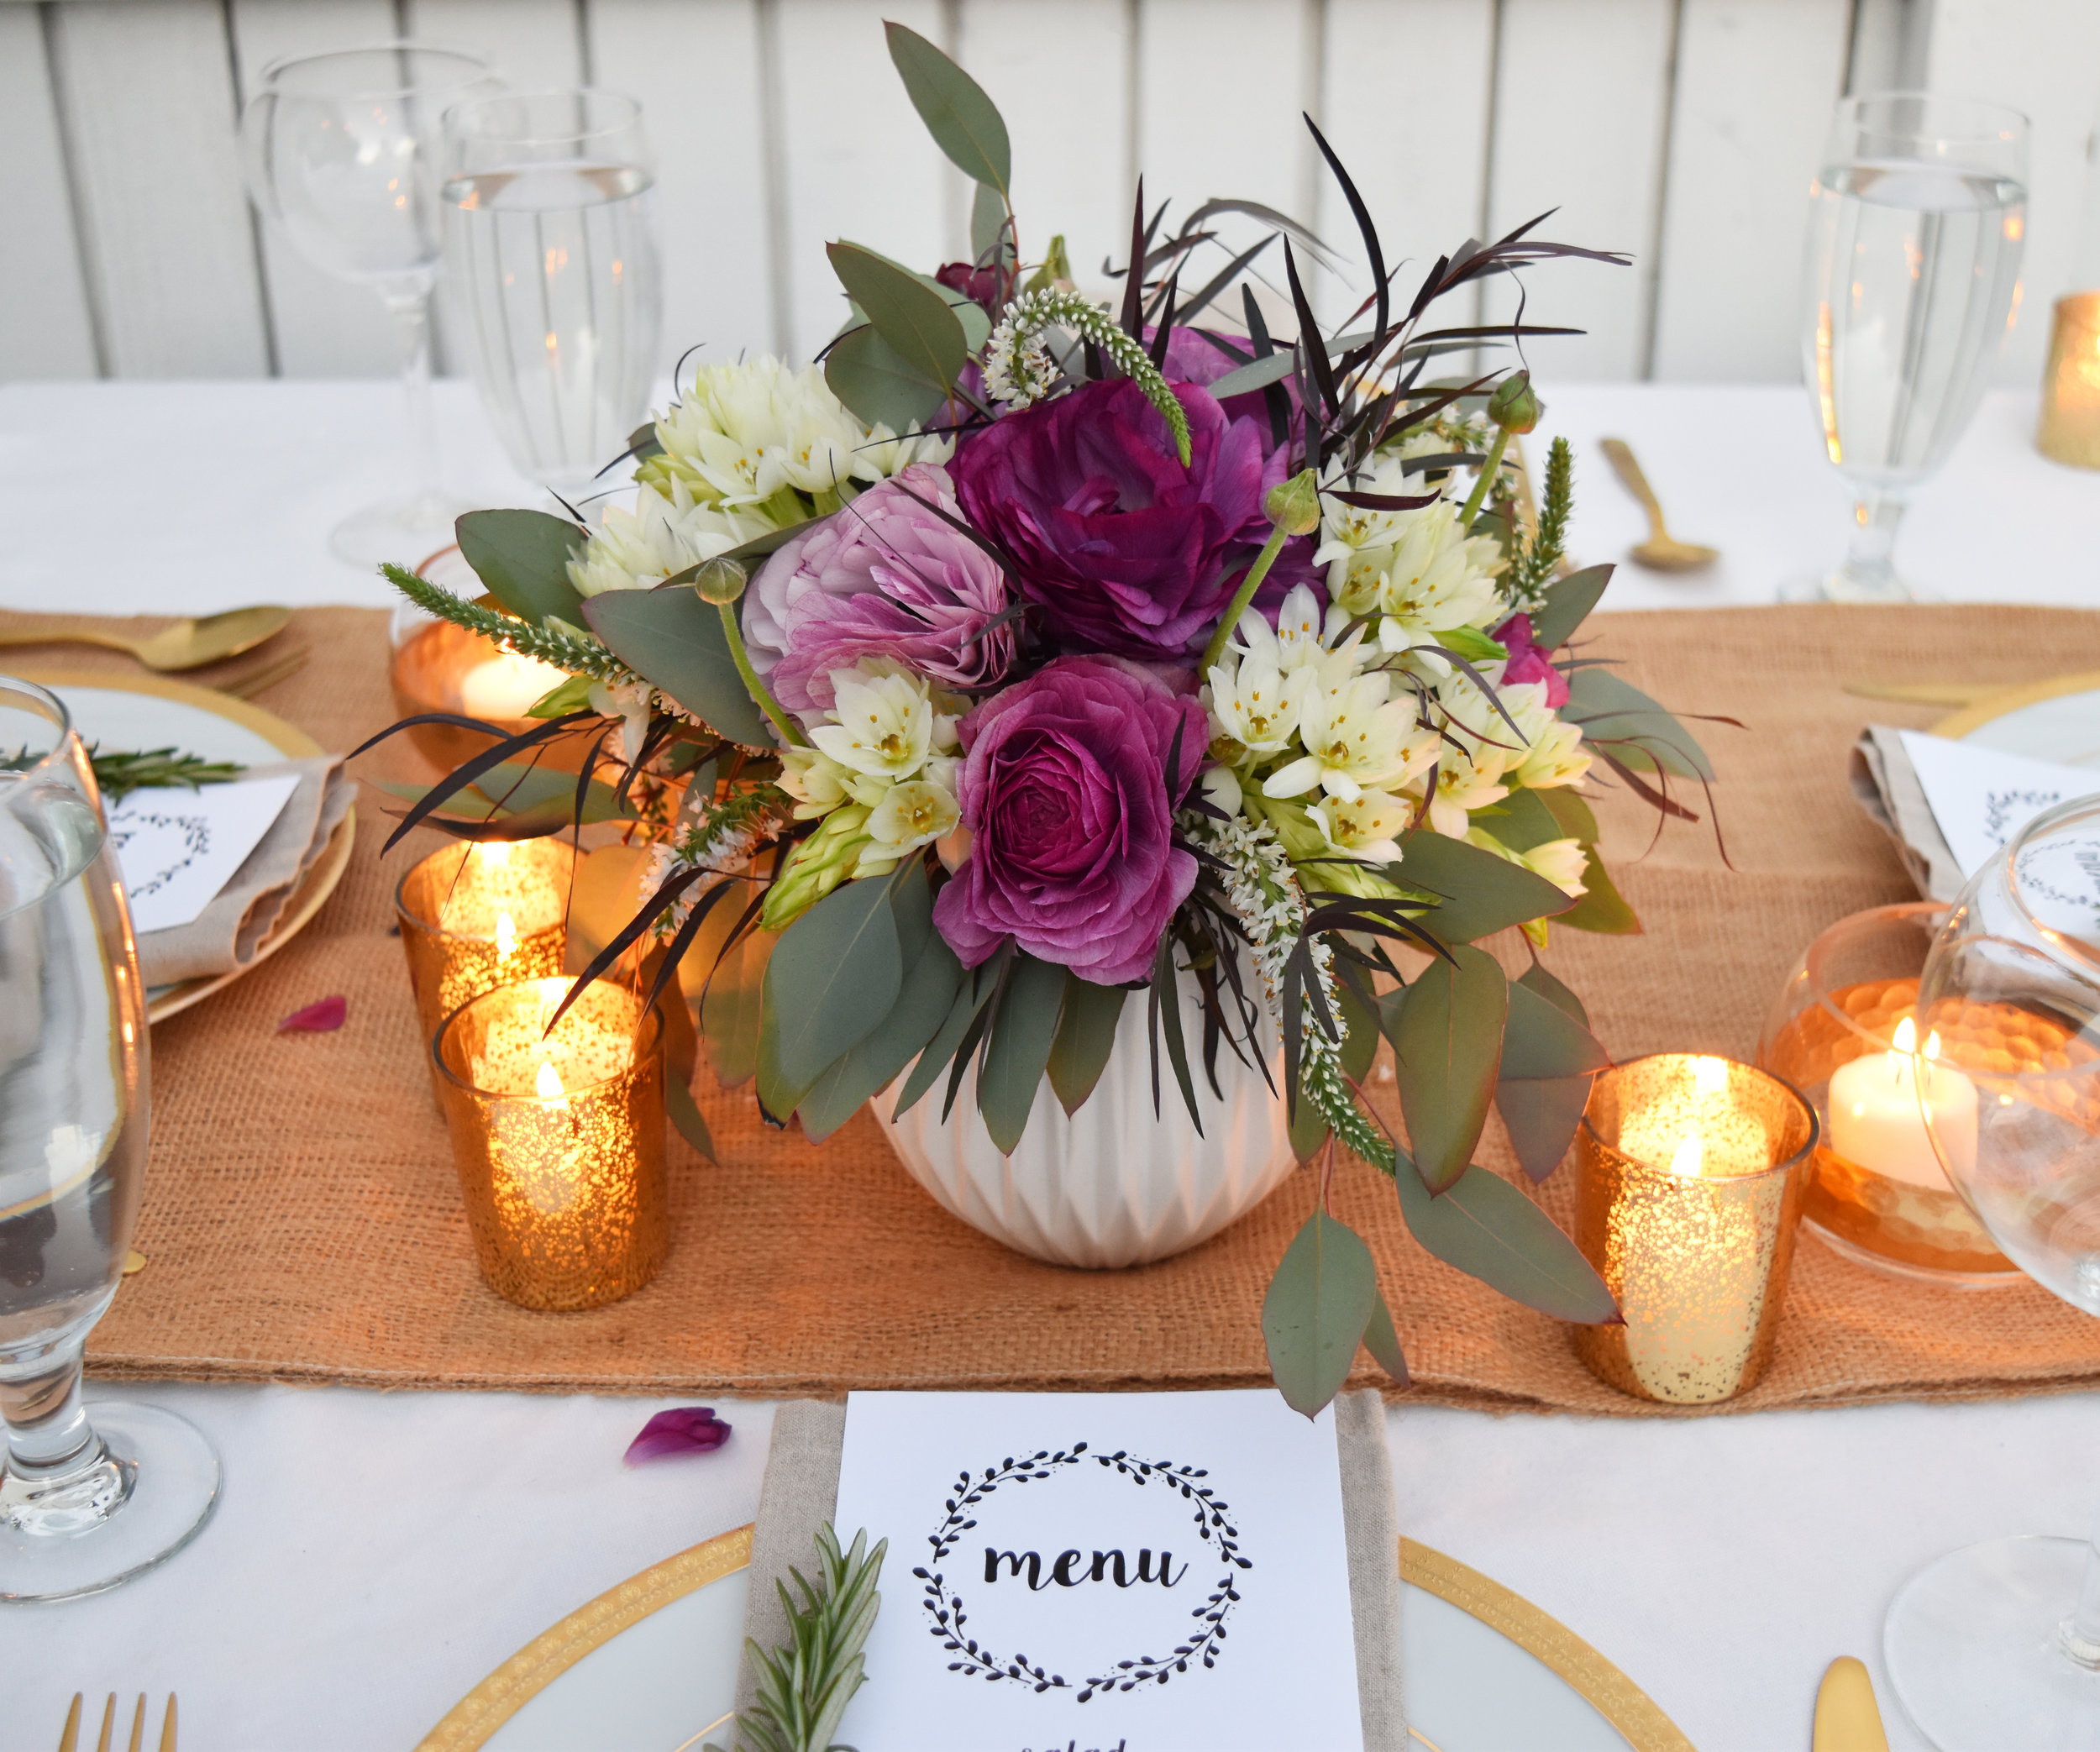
(176, 849)
(1981, 797)
(1100, 1572)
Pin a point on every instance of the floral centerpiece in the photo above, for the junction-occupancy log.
(1030, 654)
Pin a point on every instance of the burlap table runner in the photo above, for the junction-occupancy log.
(302, 1222)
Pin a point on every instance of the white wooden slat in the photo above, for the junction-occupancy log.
(1756, 82)
(1063, 85)
(2043, 57)
(1404, 101)
(533, 44)
(46, 329)
(694, 66)
(148, 95)
(860, 164)
(1582, 94)
(324, 326)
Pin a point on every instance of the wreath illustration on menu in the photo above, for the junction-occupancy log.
(950, 1622)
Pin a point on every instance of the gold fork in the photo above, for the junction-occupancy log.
(69, 1740)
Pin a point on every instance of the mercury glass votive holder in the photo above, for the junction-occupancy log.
(1690, 1174)
(478, 915)
(2069, 428)
(1843, 1031)
(559, 1139)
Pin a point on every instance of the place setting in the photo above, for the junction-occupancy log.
(1041, 921)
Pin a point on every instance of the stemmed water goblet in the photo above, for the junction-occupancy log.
(85, 1502)
(1999, 1644)
(1915, 226)
(341, 150)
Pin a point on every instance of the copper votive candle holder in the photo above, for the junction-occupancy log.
(474, 916)
(1691, 1171)
(2069, 428)
(559, 1139)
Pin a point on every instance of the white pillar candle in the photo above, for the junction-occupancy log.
(506, 686)
(1875, 1118)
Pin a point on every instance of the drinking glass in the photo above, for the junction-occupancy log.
(550, 236)
(83, 1505)
(1915, 224)
(1999, 1644)
(341, 151)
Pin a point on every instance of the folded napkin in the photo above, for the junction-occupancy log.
(800, 1492)
(226, 934)
(1886, 785)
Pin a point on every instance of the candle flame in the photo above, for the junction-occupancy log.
(506, 939)
(1709, 1076)
(1906, 1037)
(1690, 1153)
(1932, 1044)
(547, 1083)
(496, 853)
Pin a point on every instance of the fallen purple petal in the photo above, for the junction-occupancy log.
(322, 1017)
(682, 1429)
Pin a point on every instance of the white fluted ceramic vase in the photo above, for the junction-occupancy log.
(1115, 1184)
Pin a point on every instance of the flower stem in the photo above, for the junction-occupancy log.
(1243, 596)
(766, 703)
(1488, 472)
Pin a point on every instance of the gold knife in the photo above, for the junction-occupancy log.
(1847, 1719)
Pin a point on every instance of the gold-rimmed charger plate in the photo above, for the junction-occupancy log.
(255, 734)
(2056, 720)
(478, 1718)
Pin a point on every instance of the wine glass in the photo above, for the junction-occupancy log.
(1915, 226)
(1999, 1644)
(550, 238)
(341, 151)
(83, 1505)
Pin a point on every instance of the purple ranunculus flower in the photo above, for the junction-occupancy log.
(1125, 550)
(1527, 662)
(882, 577)
(1066, 794)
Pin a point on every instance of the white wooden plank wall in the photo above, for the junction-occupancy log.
(1681, 131)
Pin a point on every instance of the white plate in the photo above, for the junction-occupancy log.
(2038, 722)
(122, 720)
(667, 1682)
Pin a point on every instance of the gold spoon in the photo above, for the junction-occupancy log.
(185, 644)
(1662, 551)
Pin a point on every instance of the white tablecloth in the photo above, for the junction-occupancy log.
(377, 1554)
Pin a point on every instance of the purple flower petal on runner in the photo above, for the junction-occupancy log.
(682, 1429)
(324, 1017)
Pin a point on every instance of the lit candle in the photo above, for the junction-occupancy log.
(507, 686)
(1877, 1117)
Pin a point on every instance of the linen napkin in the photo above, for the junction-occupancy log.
(226, 934)
(800, 1492)
(1886, 785)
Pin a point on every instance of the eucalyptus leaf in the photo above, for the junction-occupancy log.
(1019, 1051)
(832, 977)
(1568, 602)
(1479, 892)
(1319, 1303)
(1384, 1342)
(922, 1005)
(1490, 1231)
(1522, 820)
(778, 1095)
(971, 995)
(731, 1010)
(1541, 1039)
(918, 322)
(964, 122)
(1309, 1130)
(1574, 816)
(1541, 1114)
(1536, 979)
(1643, 734)
(1262, 372)
(1602, 908)
(1360, 1042)
(878, 383)
(685, 1114)
(990, 246)
(1446, 1050)
(522, 558)
(673, 639)
(1086, 1036)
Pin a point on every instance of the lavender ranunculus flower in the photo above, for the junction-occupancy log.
(1125, 550)
(882, 577)
(1065, 793)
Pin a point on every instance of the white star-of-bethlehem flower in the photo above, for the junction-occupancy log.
(1355, 737)
(1256, 703)
(885, 724)
(1366, 828)
(914, 813)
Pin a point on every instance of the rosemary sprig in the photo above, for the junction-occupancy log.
(805, 1685)
(565, 648)
(120, 773)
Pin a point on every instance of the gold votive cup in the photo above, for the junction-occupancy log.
(474, 916)
(1690, 1175)
(1846, 999)
(2069, 428)
(559, 1139)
